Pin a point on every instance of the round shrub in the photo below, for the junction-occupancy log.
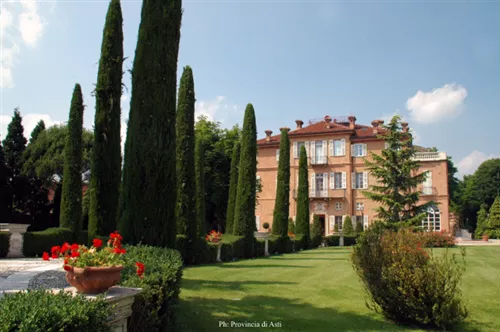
(405, 282)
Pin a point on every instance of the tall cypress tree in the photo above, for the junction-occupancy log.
(186, 178)
(233, 187)
(106, 159)
(395, 170)
(14, 144)
(71, 200)
(40, 126)
(200, 187)
(244, 215)
(302, 218)
(4, 189)
(282, 202)
(148, 195)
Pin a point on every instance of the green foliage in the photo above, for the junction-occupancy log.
(350, 240)
(407, 284)
(396, 188)
(282, 201)
(347, 228)
(200, 188)
(332, 240)
(244, 216)
(291, 226)
(186, 178)
(107, 161)
(40, 126)
(436, 239)
(233, 187)
(41, 310)
(336, 228)
(35, 243)
(5, 192)
(155, 307)
(359, 227)
(71, 200)
(148, 200)
(14, 144)
(316, 234)
(494, 215)
(302, 218)
(4, 243)
(482, 221)
(44, 157)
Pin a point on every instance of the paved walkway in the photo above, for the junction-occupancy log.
(16, 273)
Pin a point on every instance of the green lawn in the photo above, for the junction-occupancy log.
(316, 290)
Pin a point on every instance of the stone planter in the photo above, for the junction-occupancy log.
(265, 236)
(219, 246)
(16, 238)
(93, 280)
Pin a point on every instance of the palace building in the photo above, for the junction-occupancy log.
(336, 148)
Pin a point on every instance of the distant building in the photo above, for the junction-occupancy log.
(337, 174)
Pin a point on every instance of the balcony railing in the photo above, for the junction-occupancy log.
(430, 156)
(428, 190)
(319, 160)
(318, 193)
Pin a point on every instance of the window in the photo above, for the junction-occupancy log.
(277, 154)
(360, 206)
(337, 147)
(318, 185)
(427, 187)
(318, 152)
(338, 180)
(359, 150)
(338, 222)
(296, 148)
(360, 180)
(433, 220)
(257, 222)
(358, 219)
(339, 206)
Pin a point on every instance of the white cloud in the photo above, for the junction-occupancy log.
(218, 109)
(29, 122)
(470, 163)
(438, 104)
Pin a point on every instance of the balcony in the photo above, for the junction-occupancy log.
(430, 156)
(319, 160)
(428, 191)
(318, 193)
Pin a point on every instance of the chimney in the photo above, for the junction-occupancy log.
(328, 120)
(299, 123)
(375, 124)
(405, 127)
(284, 128)
(268, 135)
(352, 122)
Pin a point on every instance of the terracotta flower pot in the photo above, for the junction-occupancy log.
(93, 280)
(486, 237)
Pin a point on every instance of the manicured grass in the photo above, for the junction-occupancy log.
(316, 290)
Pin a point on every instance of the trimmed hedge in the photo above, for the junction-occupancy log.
(40, 311)
(35, 243)
(332, 240)
(4, 243)
(154, 309)
(350, 240)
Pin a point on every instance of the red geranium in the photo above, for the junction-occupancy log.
(45, 256)
(75, 254)
(74, 247)
(97, 243)
(65, 247)
(140, 269)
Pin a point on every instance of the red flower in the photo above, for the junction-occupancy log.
(116, 235)
(55, 250)
(74, 247)
(75, 254)
(97, 243)
(45, 256)
(119, 250)
(54, 255)
(66, 259)
(65, 247)
(67, 267)
(140, 269)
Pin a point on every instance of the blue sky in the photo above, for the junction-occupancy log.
(435, 63)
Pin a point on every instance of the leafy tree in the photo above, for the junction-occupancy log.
(40, 126)
(359, 227)
(233, 187)
(302, 218)
(494, 216)
(186, 178)
(200, 188)
(282, 202)
(107, 160)
(244, 215)
(71, 200)
(291, 226)
(395, 171)
(316, 232)
(44, 158)
(148, 198)
(482, 220)
(14, 144)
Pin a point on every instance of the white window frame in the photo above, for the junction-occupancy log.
(361, 184)
(359, 205)
(257, 222)
(359, 150)
(257, 180)
(341, 184)
(339, 150)
(365, 222)
(340, 223)
(427, 185)
(432, 223)
(332, 223)
(339, 206)
(277, 154)
(313, 192)
(296, 149)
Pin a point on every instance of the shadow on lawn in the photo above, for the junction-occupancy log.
(203, 314)
(193, 284)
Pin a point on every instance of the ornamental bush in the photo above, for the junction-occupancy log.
(407, 283)
(4, 243)
(35, 243)
(155, 307)
(437, 239)
(332, 240)
(316, 233)
(41, 311)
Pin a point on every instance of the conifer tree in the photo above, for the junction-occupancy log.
(282, 202)
(71, 199)
(316, 232)
(395, 169)
(359, 227)
(186, 178)
(302, 218)
(494, 216)
(200, 187)
(148, 195)
(347, 228)
(233, 187)
(14, 144)
(40, 126)
(106, 159)
(482, 220)
(244, 216)
(4, 189)
(291, 226)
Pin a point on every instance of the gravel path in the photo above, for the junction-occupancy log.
(49, 279)
(5, 272)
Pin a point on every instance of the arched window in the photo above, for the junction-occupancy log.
(433, 220)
